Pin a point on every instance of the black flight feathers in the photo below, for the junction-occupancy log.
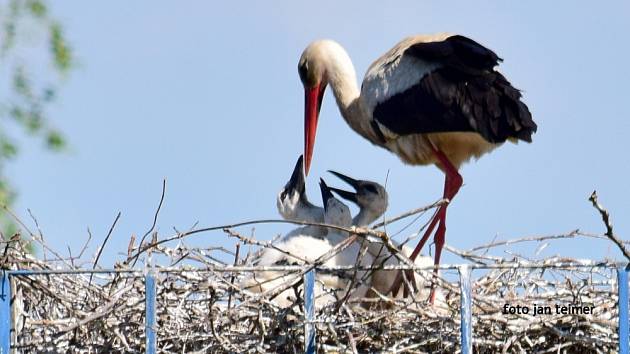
(457, 52)
(465, 94)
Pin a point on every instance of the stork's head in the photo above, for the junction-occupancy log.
(335, 212)
(321, 62)
(293, 192)
(369, 195)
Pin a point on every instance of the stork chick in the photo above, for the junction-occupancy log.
(305, 245)
(370, 197)
(337, 213)
(372, 200)
(299, 249)
(292, 202)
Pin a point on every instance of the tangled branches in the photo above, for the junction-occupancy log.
(203, 308)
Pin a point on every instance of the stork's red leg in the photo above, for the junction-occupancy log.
(398, 281)
(439, 244)
(452, 183)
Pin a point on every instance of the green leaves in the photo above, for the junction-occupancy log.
(55, 141)
(62, 55)
(37, 8)
(30, 95)
(8, 149)
(34, 59)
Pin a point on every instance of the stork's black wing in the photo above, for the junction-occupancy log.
(464, 94)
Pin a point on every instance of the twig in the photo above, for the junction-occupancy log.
(54, 322)
(353, 230)
(155, 218)
(570, 234)
(100, 251)
(609, 229)
(39, 230)
(251, 241)
(410, 213)
(360, 232)
(87, 242)
(238, 248)
(33, 236)
(18, 220)
(204, 309)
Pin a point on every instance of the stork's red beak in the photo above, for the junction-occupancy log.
(312, 103)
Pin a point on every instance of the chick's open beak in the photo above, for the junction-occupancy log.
(326, 194)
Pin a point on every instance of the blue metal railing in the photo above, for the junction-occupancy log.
(5, 313)
(309, 312)
(624, 335)
(309, 304)
(466, 309)
(150, 326)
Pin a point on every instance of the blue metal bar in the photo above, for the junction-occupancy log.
(309, 311)
(466, 309)
(150, 326)
(5, 313)
(624, 333)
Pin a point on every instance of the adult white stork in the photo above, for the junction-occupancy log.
(431, 99)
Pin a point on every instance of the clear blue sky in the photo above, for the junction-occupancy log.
(207, 95)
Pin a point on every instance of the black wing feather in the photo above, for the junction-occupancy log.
(465, 94)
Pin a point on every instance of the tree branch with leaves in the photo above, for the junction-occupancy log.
(35, 60)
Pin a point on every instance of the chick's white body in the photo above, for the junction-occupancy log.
(307, 245)
(305, 249)
(337, 213)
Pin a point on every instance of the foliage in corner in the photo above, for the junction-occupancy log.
(35, 58)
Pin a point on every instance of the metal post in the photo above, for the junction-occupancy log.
(624, 333)
(150, 326)
(466, 309)
(5, 313)
(309, 312)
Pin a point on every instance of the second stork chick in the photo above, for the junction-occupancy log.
(337, 213)
(372, 200)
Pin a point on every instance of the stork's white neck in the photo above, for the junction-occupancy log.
(342, 78)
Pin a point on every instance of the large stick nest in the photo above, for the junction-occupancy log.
(201, 307)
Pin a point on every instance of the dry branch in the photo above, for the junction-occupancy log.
(609, 229)
(202, 307)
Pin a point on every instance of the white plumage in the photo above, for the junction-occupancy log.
(307, 249)
(305, 245)
(383, 81)
(372, 200)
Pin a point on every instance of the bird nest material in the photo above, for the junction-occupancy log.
(202, 308)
